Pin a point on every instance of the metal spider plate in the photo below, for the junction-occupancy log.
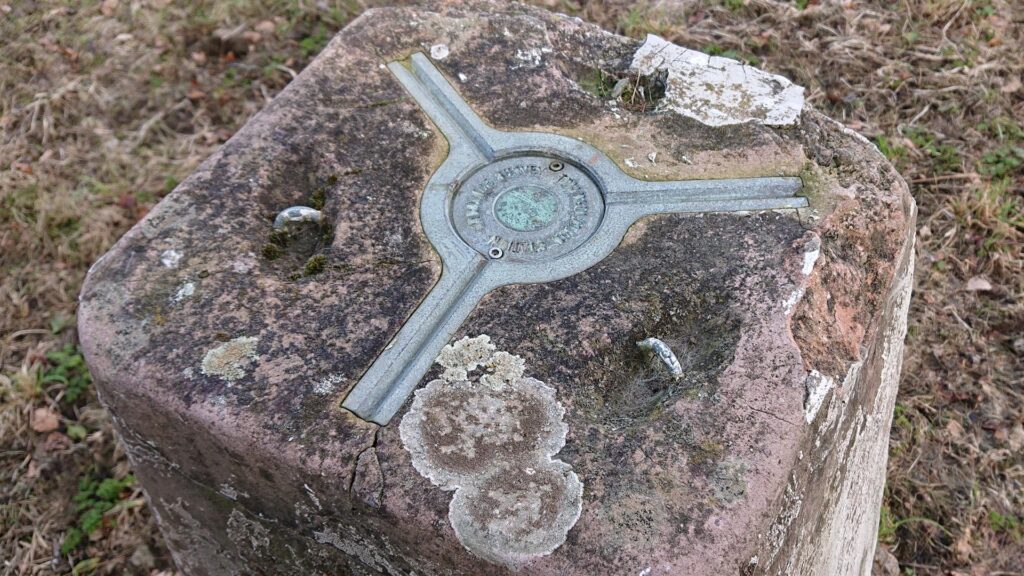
(521, 207)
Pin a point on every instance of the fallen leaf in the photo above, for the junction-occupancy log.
(266, 27)
(108, 7)
(1016, 439)
(954, 429)
(199, 58)
(44, 419)
(963, 546)
(885, 563)
(55, 441)
(1012, 85)
(978, 284)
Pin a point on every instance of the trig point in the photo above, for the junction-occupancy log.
(488, 290)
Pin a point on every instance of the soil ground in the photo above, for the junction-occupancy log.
(106, 105)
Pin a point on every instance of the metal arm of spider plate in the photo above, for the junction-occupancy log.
(468, 274)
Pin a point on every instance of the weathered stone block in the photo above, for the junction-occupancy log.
(675, 196)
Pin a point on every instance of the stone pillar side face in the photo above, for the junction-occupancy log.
(224, 356)
(828, 519)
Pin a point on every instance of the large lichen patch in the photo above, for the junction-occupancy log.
(489, 433)
(230, 361)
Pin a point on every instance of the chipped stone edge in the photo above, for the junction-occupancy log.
(718, 91)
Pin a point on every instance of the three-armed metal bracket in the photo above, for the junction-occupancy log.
(521, 207)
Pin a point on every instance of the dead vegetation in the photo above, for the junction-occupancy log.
(104, 107)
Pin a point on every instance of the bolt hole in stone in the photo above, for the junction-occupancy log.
(630, 90)
(296, 241)
(704, 341)
(495, 253)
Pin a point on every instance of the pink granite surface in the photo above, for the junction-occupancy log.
(228, 393)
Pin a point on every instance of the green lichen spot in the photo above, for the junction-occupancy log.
(526, 208)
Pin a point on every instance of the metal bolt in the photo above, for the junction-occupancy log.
(662, 351)
(495, 252)
(556, 166)
(296, 214)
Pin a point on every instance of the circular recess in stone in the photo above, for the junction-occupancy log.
(527, 208)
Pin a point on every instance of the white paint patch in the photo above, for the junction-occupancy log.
(812, 251)
(719, 91)
(439, 51)
(170, 258)
(789, 303)
(184, 291)
(818, 386)
(809, 259)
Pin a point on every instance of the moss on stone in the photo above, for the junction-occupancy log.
(271, 251)
(315, 265)
(279, 238)
(813, 185)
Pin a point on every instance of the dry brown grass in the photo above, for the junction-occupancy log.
(105, 106)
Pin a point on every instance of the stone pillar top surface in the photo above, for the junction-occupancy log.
(229, 348)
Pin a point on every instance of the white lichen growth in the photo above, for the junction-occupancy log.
(231, 360)
(467, 354)
(439, 51)
(170, 258)
(243, 531)
(184, 291)
(490, 434)
(327, 385)
(505, 369)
